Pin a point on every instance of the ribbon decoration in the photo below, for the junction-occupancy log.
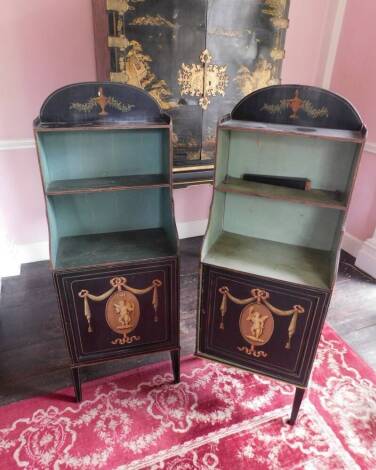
(260, 296)
(119, 283)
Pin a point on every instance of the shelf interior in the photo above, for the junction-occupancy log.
(107, 183)
(272, 231)
(115, 247)
(302, 131)
(273, 238)
(75, 155)
(279, 221)
(90, 222)
(315, 197)
(290, 263)
(329, 165)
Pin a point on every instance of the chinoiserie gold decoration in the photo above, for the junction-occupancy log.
(149, 20)
(262, 76)
(277, 54)
(296, 105)
(275, 8)
(122, 308)
(120, 42)
(121, 6)
(280, 23)
(133, 67)
(102, 102)
(256, 322)
(266, 71)
(203, 79)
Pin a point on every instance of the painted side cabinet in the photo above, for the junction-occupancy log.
(270, 255)
(105, 158)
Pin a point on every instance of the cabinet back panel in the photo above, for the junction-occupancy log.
(215, 226)
(327, 163)
(89, 154)
(295, 224)
(116, 211)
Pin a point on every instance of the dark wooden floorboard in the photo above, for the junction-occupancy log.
(34, 359)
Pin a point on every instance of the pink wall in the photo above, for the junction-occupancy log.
(45, 44)
(49, 43)
(354, 76)
(307, 41)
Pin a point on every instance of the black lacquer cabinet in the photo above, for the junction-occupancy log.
(196, 57)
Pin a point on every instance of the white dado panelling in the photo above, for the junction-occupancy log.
(370, 147)
(17, 144)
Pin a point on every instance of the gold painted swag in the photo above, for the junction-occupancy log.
(119, 284)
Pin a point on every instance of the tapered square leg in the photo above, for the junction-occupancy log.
(175, 359)
(299, 394)
(76, 383)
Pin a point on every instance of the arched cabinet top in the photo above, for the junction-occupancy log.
(99, 103)
(301, 105)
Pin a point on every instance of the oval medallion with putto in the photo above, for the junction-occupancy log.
(122, 312)
(256, 324)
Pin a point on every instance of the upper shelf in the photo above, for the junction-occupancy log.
(315, 197)
(110, 183)
(288, 129)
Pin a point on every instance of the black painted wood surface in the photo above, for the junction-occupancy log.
(94, 103)
(252, 339)
(227, 345)
(157, 44)
(309, 106)
(33, 355)
(118, 292)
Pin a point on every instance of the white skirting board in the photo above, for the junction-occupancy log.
(351, 244)
(195, 228)
(366, 259)
(365, 252)
(13, 256)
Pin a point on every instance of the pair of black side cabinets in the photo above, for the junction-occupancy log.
(270, 254)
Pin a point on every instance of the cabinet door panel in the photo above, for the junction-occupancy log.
(259, 324)
(108, 311)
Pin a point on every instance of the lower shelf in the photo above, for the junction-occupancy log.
(116, 247)
(300, 265)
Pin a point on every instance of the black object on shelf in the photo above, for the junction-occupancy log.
(286, 181)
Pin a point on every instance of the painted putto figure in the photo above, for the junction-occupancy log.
(124, 310)
(257, 324)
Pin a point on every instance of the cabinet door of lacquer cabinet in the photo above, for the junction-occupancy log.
(259, 324)
(124, 310)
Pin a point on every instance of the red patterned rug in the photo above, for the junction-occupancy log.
(216, 418)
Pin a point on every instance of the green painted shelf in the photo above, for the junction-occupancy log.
(315, 197)
(110, 183)
(113, 248)
(290, 263)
